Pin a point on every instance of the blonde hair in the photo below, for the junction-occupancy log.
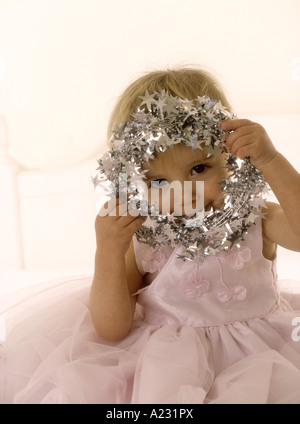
(186, 83)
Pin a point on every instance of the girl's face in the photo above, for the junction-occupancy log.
(183, 164)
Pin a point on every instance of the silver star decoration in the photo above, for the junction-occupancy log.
(167, 121)
(148, 100)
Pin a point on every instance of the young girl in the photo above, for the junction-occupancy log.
(160, 328)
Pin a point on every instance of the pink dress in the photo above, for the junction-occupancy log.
(214, 332)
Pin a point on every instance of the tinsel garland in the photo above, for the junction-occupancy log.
(160, 122)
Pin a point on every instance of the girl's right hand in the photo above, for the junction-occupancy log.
(116, 228)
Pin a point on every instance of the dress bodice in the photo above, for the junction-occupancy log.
(228, 287)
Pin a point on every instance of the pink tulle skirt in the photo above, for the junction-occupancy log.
(52, 354)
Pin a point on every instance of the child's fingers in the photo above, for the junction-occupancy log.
(107, 208)
(233, 124)
(135, 224)
(127, 210)
(240, 148)
(122, 209)
(238, 134)
(114, 208)
(125, 215)
(131, 220)
(130, 210)
(120, 212)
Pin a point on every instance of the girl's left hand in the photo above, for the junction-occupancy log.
(249, 139)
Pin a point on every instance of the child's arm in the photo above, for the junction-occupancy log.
(282, 225)
(116, 276)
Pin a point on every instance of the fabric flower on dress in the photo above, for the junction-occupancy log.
(238, 257)
(195, 287)
(237, 292)
(153, 261)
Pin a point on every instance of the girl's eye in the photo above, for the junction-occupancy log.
(158, 183)
(199, 169)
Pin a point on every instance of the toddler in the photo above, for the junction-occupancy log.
(180, 309)
(215, 328)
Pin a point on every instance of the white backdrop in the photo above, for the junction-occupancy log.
(64, 62)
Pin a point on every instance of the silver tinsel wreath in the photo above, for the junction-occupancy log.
(167, 121)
